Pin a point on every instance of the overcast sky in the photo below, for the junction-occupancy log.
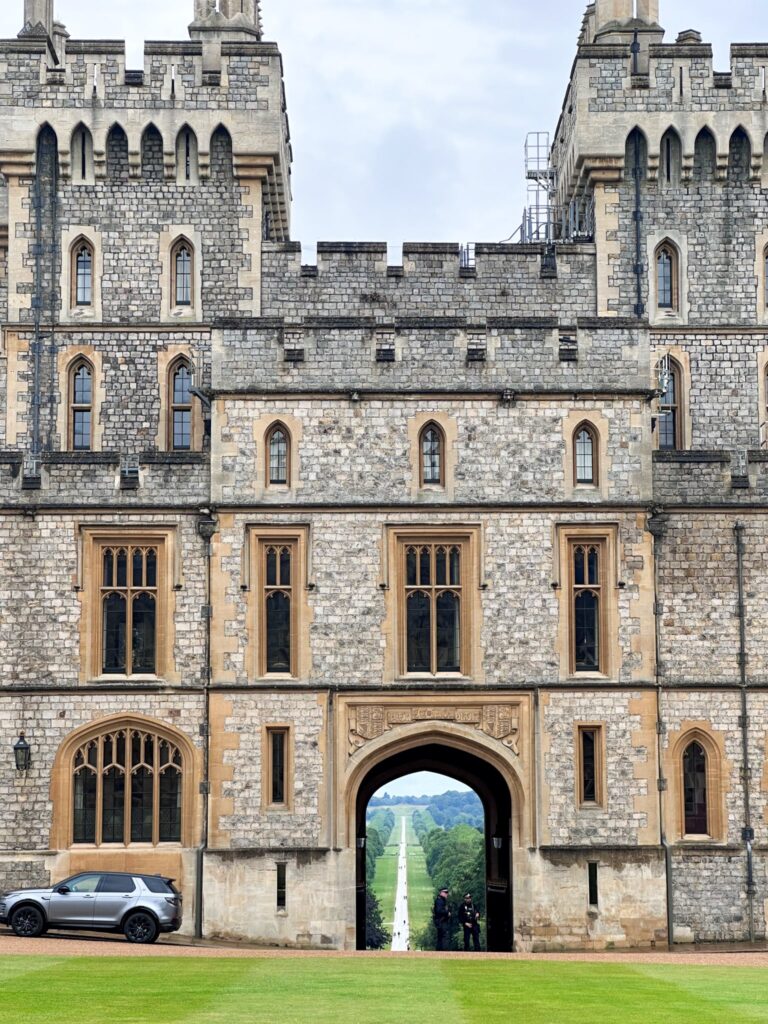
(409, 117)
(422, 784)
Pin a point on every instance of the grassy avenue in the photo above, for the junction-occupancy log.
(48, 990)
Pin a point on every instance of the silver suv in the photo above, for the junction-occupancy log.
(139, 906)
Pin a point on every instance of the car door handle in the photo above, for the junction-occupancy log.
(88, 896)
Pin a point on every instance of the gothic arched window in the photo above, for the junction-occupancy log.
(278, 447)
(432, 455)
(667, 262)
(670, 409)
(585, 450)
(180, 406)
(82, 273)
(81, 406)
(182, 269)
(695, 790)
(705, 156)
(152, 158)
(127, 787)
(739, 157)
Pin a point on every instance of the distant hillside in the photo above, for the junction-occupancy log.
(448, 809)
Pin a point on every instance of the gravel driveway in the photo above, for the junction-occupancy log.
(108, 945)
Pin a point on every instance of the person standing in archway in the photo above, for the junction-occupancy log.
(441, 914)
(469, 919)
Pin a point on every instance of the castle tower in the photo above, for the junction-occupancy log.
(234, 19)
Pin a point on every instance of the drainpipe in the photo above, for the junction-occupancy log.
(207, 527)
(748, 832)
(638, 216)
(37, 302)
(53, 304)
(657, 524)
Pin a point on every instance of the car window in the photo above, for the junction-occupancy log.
(156, 884)
(117, 883)
(83, 883)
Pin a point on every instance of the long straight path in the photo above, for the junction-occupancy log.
(401, 935)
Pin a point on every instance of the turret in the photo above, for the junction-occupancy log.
(233, 20)
(38, 18)
(625, 22)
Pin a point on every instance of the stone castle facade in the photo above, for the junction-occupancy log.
(275, 534)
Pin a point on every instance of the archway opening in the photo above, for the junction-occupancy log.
(493, 792)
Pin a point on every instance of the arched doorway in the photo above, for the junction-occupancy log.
(494, 792)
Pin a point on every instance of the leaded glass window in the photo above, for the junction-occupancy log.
(432, 575)
(83, 274)
(695, 790)
(432, 455)
(182, 273)
(181, 407)
(667, 284)
(278, 455)
(669, 411)
(586, 455)
(278, 608)
(586, 597)
(129, 610)
(81, 406)
(127, 788)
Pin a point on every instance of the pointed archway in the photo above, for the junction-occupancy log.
(494, 792)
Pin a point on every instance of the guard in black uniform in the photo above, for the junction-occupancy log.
(441, 914)
(469, 918)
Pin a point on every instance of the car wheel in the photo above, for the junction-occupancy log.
(140, 927)
(28, 922)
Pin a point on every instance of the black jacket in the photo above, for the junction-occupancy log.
(467, 914)
(442, 911)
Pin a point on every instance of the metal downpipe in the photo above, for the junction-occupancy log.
(747, 833)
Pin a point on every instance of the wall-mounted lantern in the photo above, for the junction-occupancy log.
(22, 753)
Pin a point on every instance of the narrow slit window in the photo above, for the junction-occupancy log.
(281, 886)
(82, 274)
(589, 760)
(278, 748)
(667, 278)
(670, 419)
(593, 894)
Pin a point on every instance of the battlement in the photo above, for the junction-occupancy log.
(664, 85)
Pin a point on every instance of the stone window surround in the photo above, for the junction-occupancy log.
(67, 358)
(62, 789)
(432, 425)
(70, 311)
(257, 537)
(679, 315)
(393, 585)
(167, 360)
(75, 157)
(278, 425)
(566, 537)
(170, 237)
(93, 539)
(572, 423)
(718, 774)
(267, 732)
(447, 424)
(761, 266)
(194, 160)
(601, 780)
(682, 357)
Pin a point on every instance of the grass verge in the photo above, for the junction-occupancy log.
(46, 990)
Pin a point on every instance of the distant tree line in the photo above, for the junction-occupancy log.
(447, 809)
(378, 831)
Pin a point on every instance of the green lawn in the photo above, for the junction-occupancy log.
(49, 990)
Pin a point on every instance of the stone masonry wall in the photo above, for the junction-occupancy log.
(366, 452)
